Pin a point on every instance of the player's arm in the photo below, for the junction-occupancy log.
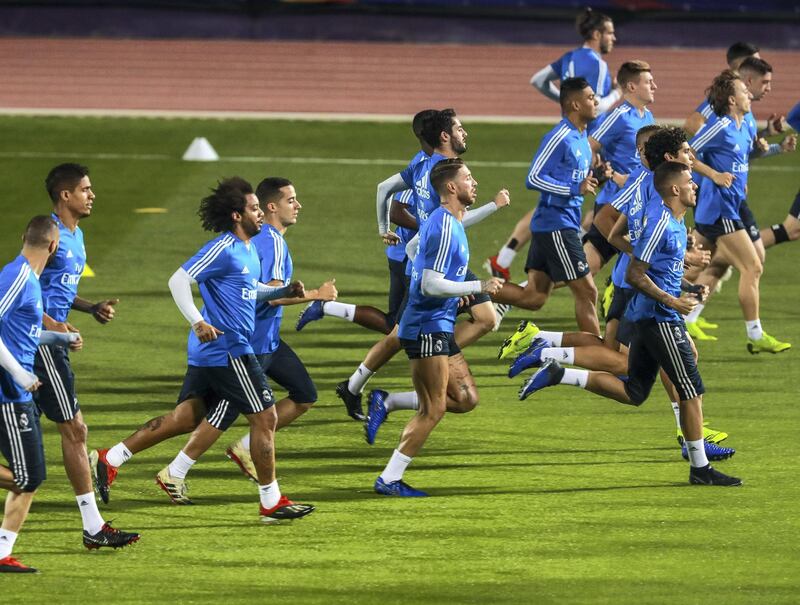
(386, 189)
(400, 216)
(544, 81)
(542, 177)
(437, 285)
(637, 277)
(605, 218)
(57, 326)
(275, 291)
(472, 217)
(102, 311)
(763, 149)
(70, 340)
(619, 236)
(693, 123)
(27, 380)
(180, 285)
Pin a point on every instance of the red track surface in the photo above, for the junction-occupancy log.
(330, 77)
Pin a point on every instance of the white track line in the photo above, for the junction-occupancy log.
(255, 159)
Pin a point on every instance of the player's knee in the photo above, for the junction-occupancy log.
(265, 421)
(433, 413)
(467, 401)
(74, 431)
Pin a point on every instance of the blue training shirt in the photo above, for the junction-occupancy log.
(276, 265)
(443, 248)
(561, 163)
(585, 63)
(20, 323)
(227, 271)
(616, 132)
(60, 278)
(634, 199)
(726, 148)
(663, 247)
(793, 117)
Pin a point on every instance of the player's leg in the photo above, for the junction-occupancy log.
(566, 261)
(21, 445)
(482, 318)
(429, 371)
(366, 316)
(499, 265)
(788, 231)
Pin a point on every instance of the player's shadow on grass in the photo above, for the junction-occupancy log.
(504, 490)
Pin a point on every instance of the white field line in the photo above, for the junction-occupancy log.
(245, 159)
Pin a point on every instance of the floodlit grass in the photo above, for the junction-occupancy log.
(563, 498)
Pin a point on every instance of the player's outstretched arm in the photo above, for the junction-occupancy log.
(275, 290)
(102, 311)
(435, 284)
(637, 277)
(180, 285)
(693, 123)
(472, 217)
(71, 340)
(27, 380)
(386, 189)
(544, 81)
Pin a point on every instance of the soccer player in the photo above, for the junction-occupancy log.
(789, 230)
(615, 135)
(735, 56)
(280, 363)
(561, 171)
(659, 338)
(727, 142)
(597, 31)
(70, 191)
(401, 212)
(20, 432)
(445, 134)
(427, 324)
(222, 364)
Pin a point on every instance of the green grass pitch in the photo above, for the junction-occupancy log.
(564, 498)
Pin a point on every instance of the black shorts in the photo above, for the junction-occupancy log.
(56, 397)
(398, 286)
(431, 345)
(619, 303)
(794, 209)
(21, 444)
(403, 302)
(557, 253)
(285, 368)
(600, 243)
(242, 383)
(723, 226)
(661, 345)
(749, 222)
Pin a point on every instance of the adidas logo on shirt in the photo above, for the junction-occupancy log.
(70, 254)
(245, 271)
(736, 147)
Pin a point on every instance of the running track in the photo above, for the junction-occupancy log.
(336, 78)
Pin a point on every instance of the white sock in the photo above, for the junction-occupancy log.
(401, 401)
(697, 453)
(246, 442)
(575, 378)
(506, 256)
(554, 338)
(559, 354)
(359, 379)
(337, 309)
(754, 331)
(92, 521)
(396, 467)
(677, 409)
(694, 313)
(269, 494)
(182, 464)
(7, 539)
(118, 455)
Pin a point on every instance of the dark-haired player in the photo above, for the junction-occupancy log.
(427, 325)
(71, 194)
(561, 171)
(222, 364)
(659, 337)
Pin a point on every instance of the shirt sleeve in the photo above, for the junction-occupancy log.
(609, 127)
(625, 195)
(541, 174)
(707, 136)
(556, 66)
(272, 259)
(211, 261)
(438, 244)
(12, 293)
(655, 234)
(408, 174)
(793, 117)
